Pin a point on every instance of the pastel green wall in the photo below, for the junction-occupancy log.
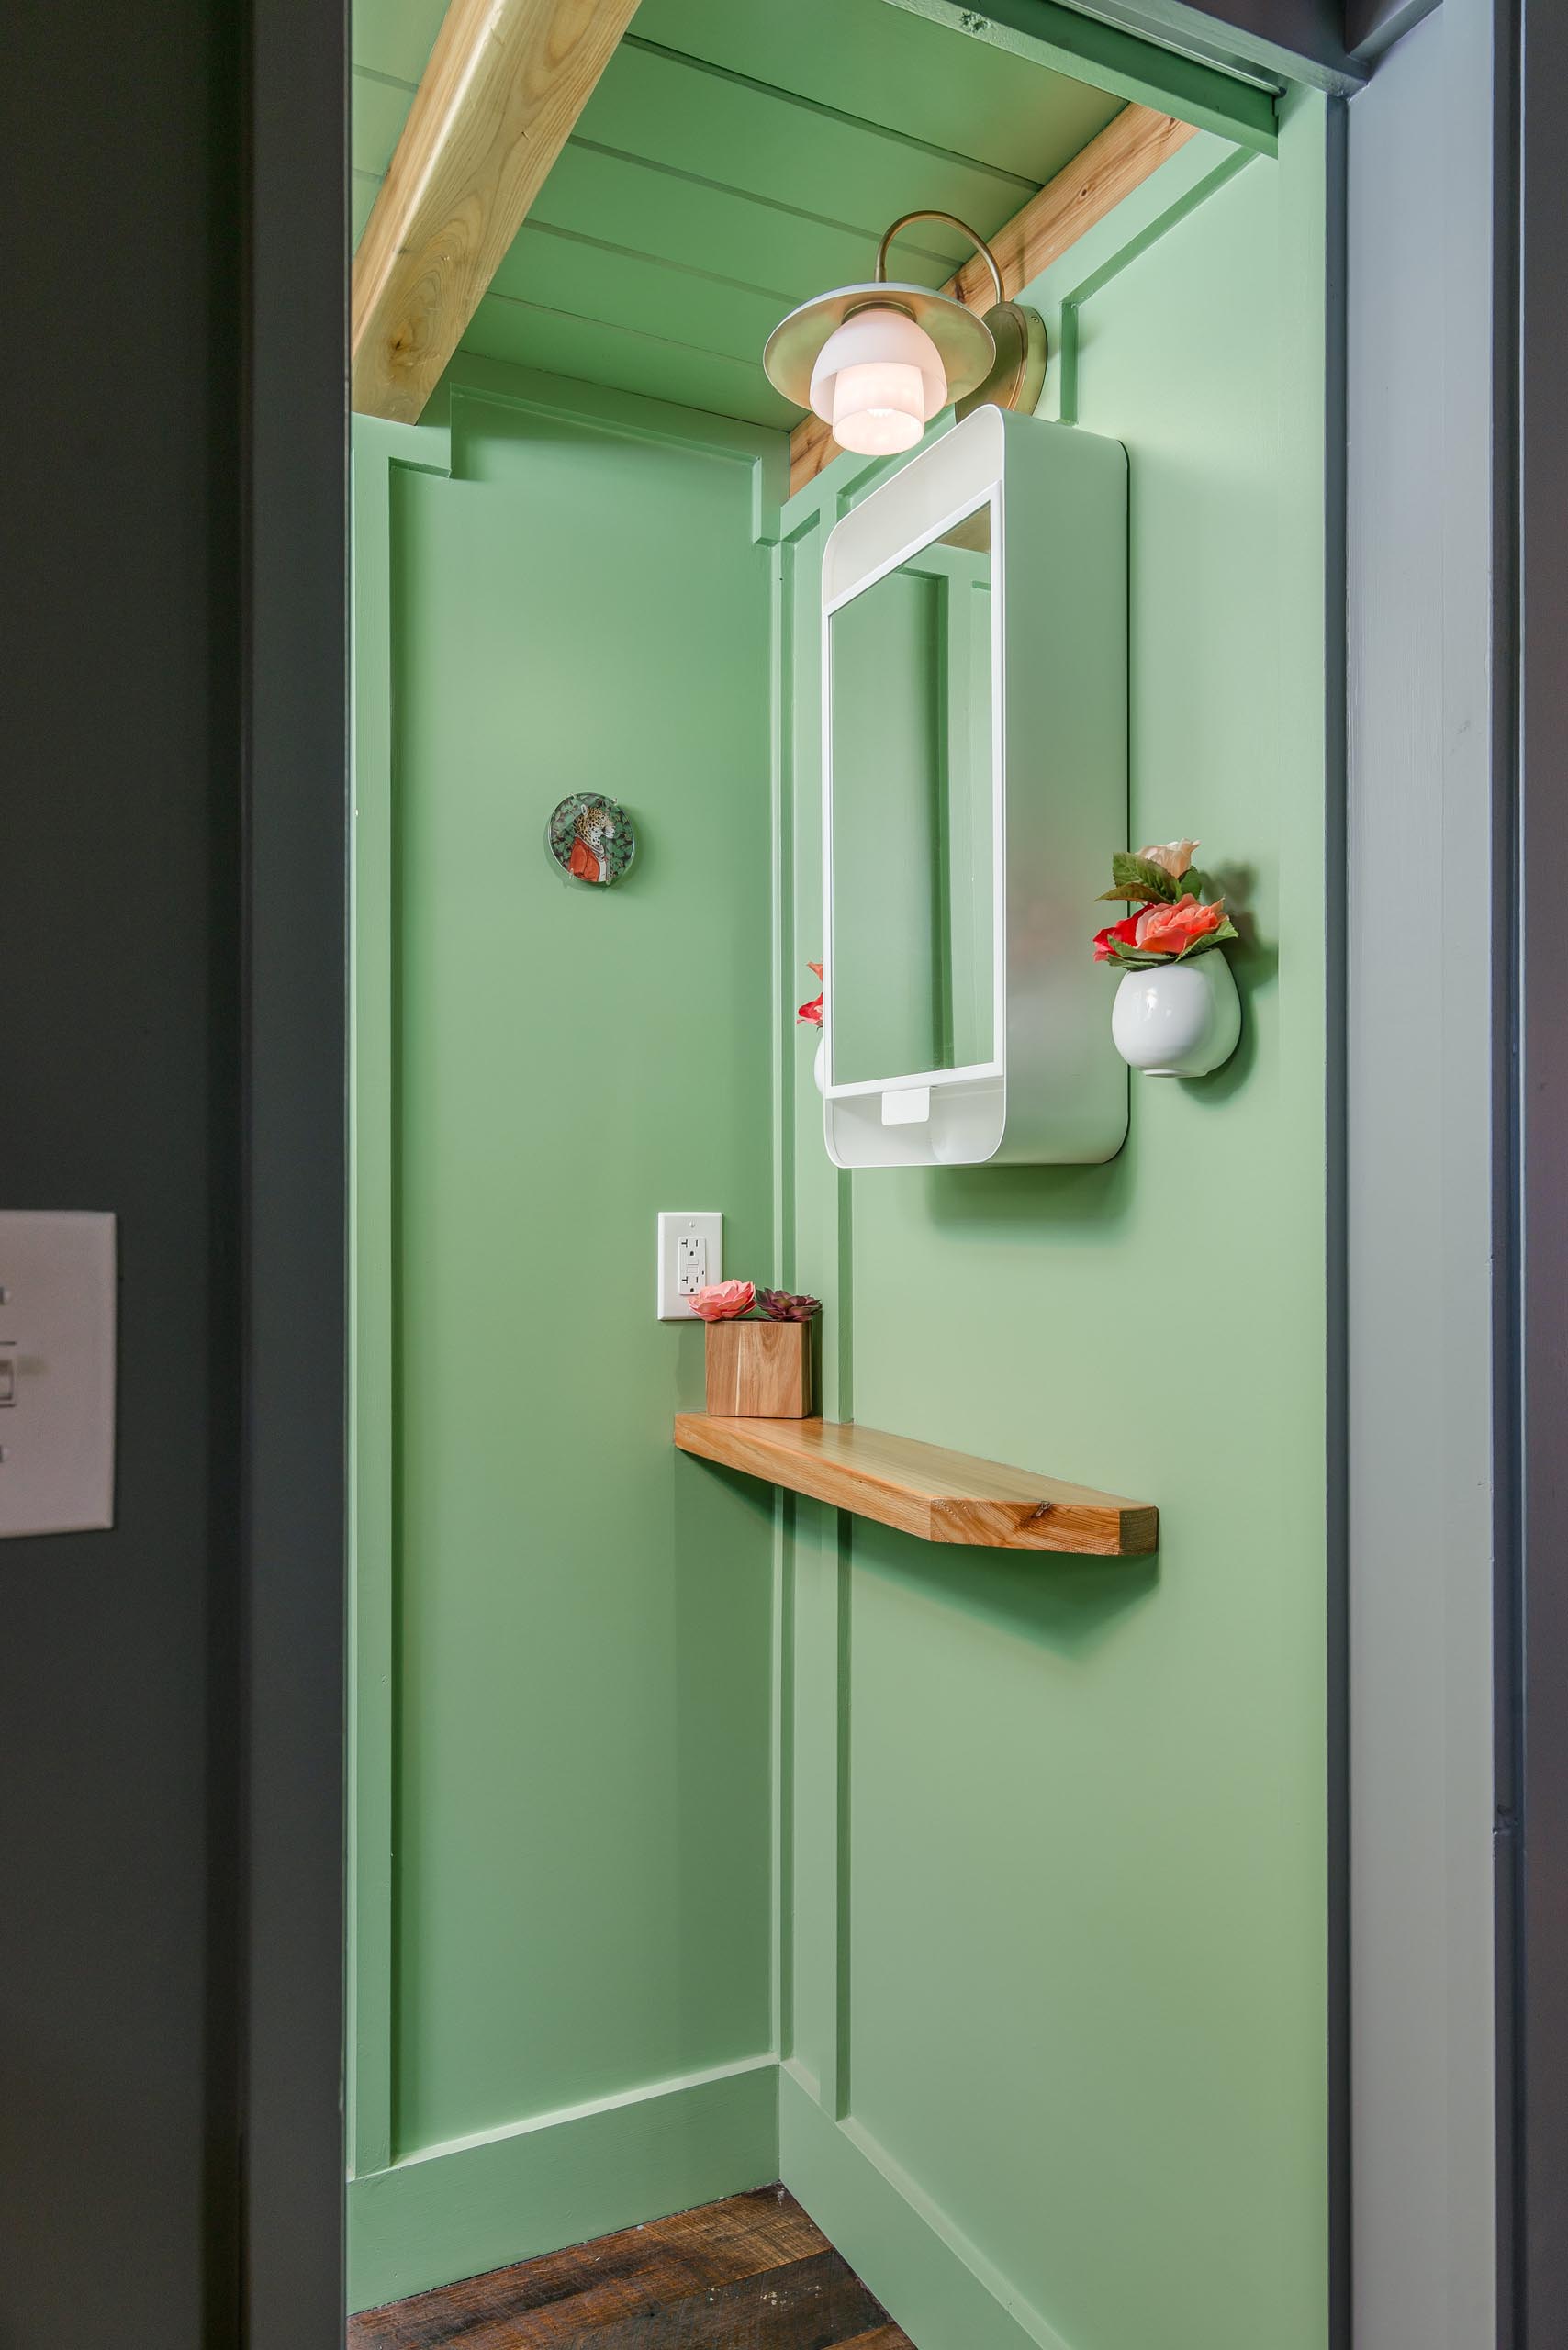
(1056, 1833)
(578, 1629)
(699, 1838)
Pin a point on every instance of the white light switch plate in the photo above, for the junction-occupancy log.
(692, 1254)
(57, 1368)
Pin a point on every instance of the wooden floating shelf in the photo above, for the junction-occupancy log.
(924, 1490)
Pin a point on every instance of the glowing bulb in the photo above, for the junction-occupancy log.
(878, 406)
(878, 381)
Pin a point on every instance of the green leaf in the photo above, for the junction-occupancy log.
(1137, 879)
(1137, 958)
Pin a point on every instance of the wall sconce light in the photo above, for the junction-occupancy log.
(878, 362)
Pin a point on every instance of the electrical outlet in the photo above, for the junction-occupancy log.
(692, 1254)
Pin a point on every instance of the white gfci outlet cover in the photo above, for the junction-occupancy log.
(57, 1370)
(690, 1255)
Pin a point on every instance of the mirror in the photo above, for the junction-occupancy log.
(913, 801)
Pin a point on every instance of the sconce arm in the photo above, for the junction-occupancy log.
(952, 221)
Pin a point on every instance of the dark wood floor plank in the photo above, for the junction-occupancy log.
(617, 2276)
(886, 2337)
(813, 2304)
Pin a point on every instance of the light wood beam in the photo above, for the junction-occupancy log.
(1123, 156)
(505, 80)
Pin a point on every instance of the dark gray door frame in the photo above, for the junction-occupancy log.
(172, 883)
(1535, 1817)
(294, 1193)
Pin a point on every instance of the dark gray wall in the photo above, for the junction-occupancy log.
(127, 607)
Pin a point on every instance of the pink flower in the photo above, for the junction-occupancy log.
(1166, 930)
(813, 1011)
(724, 1301)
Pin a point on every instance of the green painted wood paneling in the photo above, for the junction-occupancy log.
(395, 36)
(459, 2210)
(1057, 1936)
(562, 1817)
(1042, 32)
(738, 157)
(906, 77)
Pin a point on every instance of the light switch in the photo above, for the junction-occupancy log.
(57, 1370)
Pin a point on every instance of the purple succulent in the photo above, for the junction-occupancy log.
(780, 1306)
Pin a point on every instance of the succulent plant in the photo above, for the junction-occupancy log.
(780, 1306)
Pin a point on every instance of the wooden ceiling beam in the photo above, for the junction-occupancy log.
(1130, 148)
(506, 81)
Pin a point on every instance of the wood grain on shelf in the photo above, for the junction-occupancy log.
(923, 1489)
(1130, 148)
(506, 81)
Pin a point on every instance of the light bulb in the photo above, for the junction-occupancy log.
(878, 381)
(879, 406)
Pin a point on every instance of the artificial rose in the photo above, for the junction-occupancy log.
(813, 1011)
(1172, 856)
(724, 1301)
(1126, 932)
(1166, 930)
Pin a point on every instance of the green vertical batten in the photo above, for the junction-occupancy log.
(564, 1769)
(1112, 60)
(1059, 2052)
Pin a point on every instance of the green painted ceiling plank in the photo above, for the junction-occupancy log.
(895, 70)
(395, 35)
(680, 217)
(363, 189)
(597, 281)
(758, 208)
(1137, 70)
(874, 125)
(648, 105)
(598, 353)
(378, 113)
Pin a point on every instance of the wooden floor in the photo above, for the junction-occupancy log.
(751, 2273)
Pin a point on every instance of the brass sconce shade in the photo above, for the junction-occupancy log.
(878, 361)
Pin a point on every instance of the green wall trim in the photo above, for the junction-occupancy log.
(437, 557)
(1112, 60)
(1066, 339)
(483, 2202)
(473, 385)
(378, 450)
(1038, 2005)
(930, 2279)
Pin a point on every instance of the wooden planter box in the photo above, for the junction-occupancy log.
(759, 1370)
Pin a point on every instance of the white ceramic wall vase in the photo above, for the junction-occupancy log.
(818, 1066)
(1180, 1020)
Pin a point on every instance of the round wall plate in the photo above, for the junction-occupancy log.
(593, 839)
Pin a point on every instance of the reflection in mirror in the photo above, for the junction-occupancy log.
(913, 815)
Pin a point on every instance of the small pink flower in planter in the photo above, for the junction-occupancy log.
(724, 1301)
(1169, 924)
(812, 1013)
